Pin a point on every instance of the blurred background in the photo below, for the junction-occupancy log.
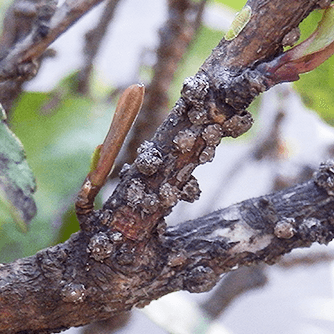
(65, 111)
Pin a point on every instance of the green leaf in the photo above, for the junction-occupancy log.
(240, 21)
(17, 183)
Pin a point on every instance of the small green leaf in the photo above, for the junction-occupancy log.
(17, 183)
(239, 23)
(95, 158)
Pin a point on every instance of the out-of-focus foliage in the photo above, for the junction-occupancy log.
(59, 132)
(235, 4)
(316, 87)
(17, 183)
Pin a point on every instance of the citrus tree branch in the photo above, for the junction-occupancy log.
(125, 256)
(19, 60)
(94, 278)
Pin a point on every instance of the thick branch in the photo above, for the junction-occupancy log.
(71, 284)
(212, 106)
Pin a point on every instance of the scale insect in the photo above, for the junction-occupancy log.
(239, 23)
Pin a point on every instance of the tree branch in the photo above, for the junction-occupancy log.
(71, 284)
(124, 257)
(19, 60)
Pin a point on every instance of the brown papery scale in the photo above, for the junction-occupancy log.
(150, 203)
(292, 37)
(195, 88)
(190, 192)
(207, 155)
(198, 116)
(212, 134)
(149, 161)
(169, 195)
(100, 246)
(135, 193)
(185, 140)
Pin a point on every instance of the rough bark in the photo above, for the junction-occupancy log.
(124, 256)
(177, 33)
(88, 279)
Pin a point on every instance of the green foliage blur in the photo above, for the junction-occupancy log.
(60, 130)
(234, 4)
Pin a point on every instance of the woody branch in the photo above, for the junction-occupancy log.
(124, 257)
(19, 61)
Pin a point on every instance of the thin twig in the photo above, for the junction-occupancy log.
(94, 38)
(21, 19)
(234, 284)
